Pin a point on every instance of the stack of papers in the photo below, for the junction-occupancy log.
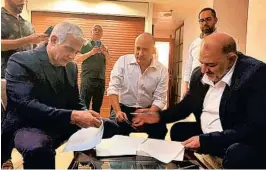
(118, 145)
(85, 139)
(164, 151)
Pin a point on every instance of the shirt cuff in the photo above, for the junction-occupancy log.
(187, 78)
(112, 91)
(159, 104)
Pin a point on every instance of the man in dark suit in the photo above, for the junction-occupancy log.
(44, 108)
(228, 98)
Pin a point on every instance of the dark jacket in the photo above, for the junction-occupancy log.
(242, 108)
(33, 98)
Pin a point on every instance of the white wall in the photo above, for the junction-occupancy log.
(232, 19)
(131, 9)
(256, 36)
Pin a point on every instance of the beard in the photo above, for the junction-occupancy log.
(208, 30)
(17, 8)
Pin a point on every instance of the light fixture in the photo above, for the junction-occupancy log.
(168, 14)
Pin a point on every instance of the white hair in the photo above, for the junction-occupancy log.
(62, 29)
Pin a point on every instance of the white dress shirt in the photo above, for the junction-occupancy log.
(136, 89)
(192, 60)
(210, 118)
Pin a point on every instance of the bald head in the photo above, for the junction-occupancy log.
(217, 55)
(221, 42)
(147, 37)
(144, 49)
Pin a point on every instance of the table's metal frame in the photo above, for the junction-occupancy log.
(189, 155)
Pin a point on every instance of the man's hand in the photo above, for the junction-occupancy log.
(37, 38)
(121, 116)
(86, 118)
(104, 50)
(149, 118)
(95, 50)
(192, 143)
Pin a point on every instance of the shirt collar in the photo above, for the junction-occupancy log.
(5, 11)
(152, 65)
(226, 79)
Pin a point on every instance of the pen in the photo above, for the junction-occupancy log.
(134, 113)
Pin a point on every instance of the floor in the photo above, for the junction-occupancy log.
(63, 159)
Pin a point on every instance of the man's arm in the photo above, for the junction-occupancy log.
(159, 95)
(105, 52)
(20, 89)
(187, 71)
(84, 56)
(116, 80)
(21, 42)
(251, 131)
(178, 112)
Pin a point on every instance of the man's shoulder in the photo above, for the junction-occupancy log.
(196, 75)
(86, 47)
(27, 58)
(160, 66)
(247, 67)
(126, 58)
(196, 41)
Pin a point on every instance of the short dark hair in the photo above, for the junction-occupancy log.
(231, 47)
(208, 9)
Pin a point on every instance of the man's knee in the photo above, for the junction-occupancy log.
(7, 144)
(241, 156)
(33, 143)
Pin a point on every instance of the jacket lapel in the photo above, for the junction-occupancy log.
(48, 69)
(71, 72)
(235, 84)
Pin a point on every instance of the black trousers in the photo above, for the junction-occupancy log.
(7, 145)
(93, 89)
(38, 147)
(237, 155)
(156, 131)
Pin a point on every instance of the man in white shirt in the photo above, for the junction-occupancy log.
(227, 96)
(207, 22)
(138, 82)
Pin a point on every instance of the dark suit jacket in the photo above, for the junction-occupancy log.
(242, 108)
(32, 95)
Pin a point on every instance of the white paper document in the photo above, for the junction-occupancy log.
(118, 145)
(84, 139)
(164, 151)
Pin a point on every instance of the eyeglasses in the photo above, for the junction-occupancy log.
(205, 19)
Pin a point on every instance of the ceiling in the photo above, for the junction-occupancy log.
(180, 10)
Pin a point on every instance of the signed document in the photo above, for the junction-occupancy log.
(164, 151)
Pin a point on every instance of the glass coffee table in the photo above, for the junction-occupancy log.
(89, 160)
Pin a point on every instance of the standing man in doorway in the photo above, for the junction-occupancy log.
(207, 21)
(94, 57)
